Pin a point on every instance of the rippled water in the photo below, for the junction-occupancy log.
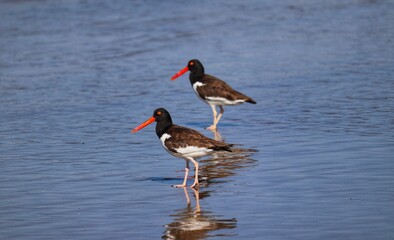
(314, 157)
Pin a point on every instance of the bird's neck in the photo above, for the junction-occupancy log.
(163, 126)
(196, 75)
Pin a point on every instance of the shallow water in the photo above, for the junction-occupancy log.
(313, 158)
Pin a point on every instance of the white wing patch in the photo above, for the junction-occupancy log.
(223, 101)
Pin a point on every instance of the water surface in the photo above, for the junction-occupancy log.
(313, 158)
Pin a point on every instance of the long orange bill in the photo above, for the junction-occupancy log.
(180, 73)
(144, 124)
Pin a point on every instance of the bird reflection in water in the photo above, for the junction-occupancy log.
(224, 164)
(195, 223)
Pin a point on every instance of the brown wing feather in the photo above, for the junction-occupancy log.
(216, 87)
(183, 137)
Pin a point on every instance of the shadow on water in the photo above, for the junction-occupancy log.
(194, 222)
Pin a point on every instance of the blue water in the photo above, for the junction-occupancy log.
(314, 157)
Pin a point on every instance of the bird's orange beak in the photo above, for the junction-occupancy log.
(144, 124)
(180, 73)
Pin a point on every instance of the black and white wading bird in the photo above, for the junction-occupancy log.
(182, 142)
(212, 90)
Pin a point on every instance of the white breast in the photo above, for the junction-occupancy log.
(196, 85)
(163, 138)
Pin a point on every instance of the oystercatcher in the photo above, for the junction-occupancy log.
(182, 142)
(212, 90)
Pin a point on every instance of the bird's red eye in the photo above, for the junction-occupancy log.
(191, 63)
(158, 113)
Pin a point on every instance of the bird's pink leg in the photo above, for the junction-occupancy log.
(195, 184)
(220, 115)
(185, 178)
(213, 127)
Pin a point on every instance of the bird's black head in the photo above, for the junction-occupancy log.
(196, 71)
(163, 119)
(195, 66)
(161, 114)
